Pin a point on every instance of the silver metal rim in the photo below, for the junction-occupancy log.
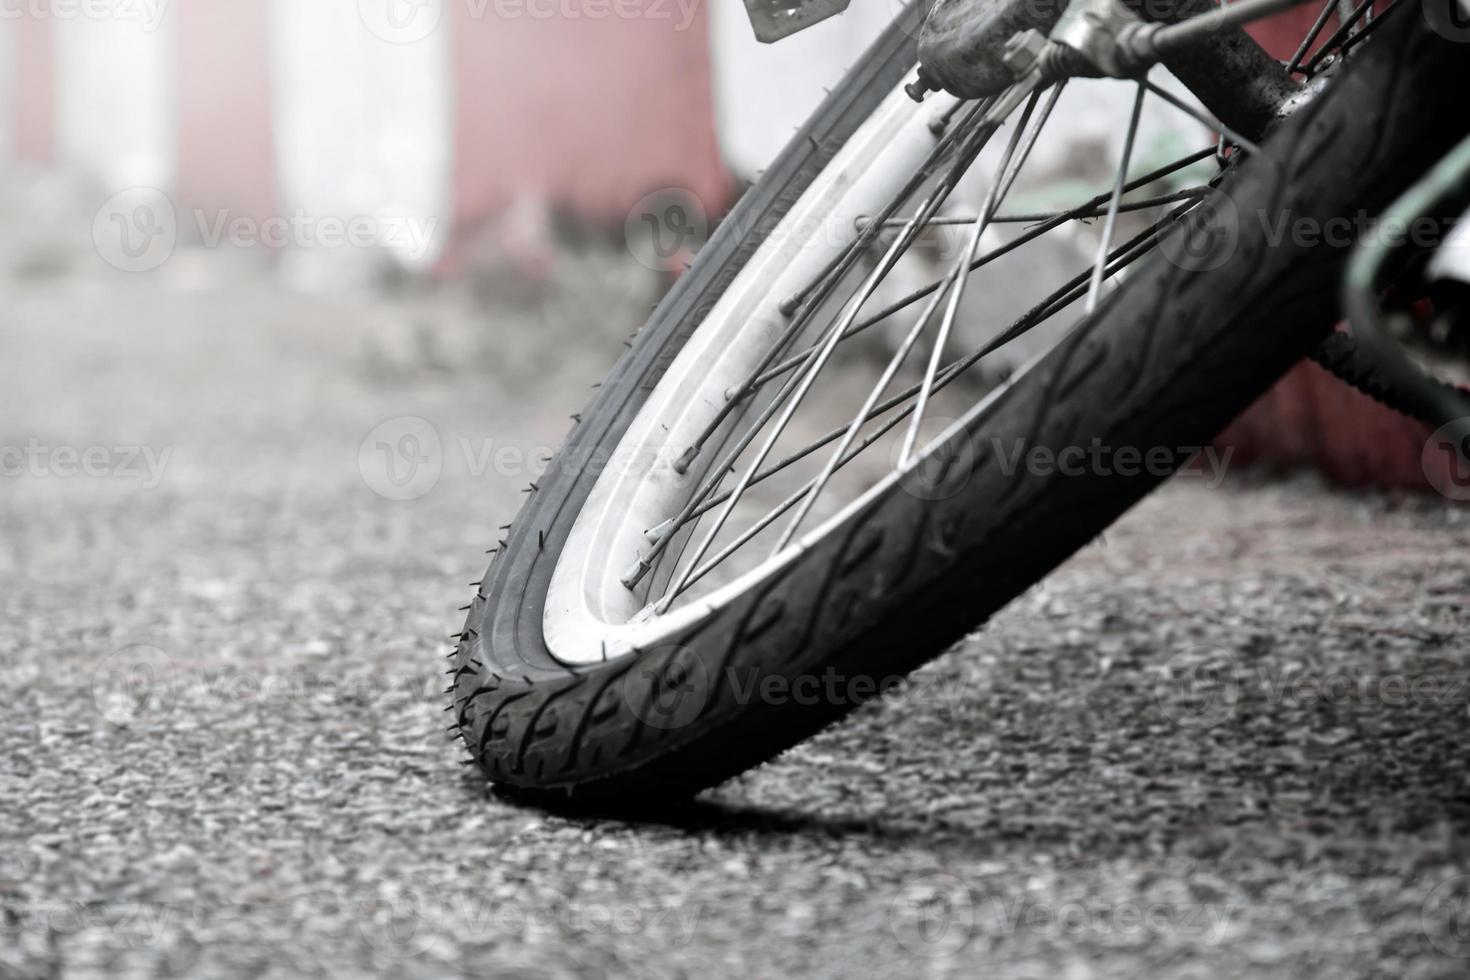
(647, 495)
(588, 612)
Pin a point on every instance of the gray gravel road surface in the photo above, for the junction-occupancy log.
(1229, 740)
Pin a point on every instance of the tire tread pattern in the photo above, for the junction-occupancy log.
(1166, 361)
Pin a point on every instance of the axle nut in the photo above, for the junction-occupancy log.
(1023, 51)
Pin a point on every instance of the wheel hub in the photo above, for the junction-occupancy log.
(975, 48)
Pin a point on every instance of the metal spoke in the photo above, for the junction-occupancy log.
(1020, 159)
(863, 414)
(1190, 110)
(794, 390)
(959, 145)
(1065, 295)
(1144, 204)
(1344, 30)
(815, 294)
(974, 143)
(1086, 209)
(1312, 35)
(1109, 223)
(1053, 304)
(645, 562)
(1370, 25)
(949, 139)
(1004, 177)
(961, 274)
(941, 122)
(1075, 215)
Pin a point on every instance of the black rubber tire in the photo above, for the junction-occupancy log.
(1167, 361)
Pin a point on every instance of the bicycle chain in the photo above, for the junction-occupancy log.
(1340, 354)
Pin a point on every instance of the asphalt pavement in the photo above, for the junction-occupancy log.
(1227, 740)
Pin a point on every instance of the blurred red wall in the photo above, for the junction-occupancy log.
(34, 109)
(1309, 417)
(588, 113)
(226, 153)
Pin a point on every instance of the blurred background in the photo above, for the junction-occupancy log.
(492, 159)
(296, 297)
(471, 184)
(445, 129)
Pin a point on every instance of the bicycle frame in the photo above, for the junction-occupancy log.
(1246, 89)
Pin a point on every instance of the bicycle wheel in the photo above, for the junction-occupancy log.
(754, 528)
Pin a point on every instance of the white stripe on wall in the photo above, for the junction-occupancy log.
(364, 129)
(116, 114)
